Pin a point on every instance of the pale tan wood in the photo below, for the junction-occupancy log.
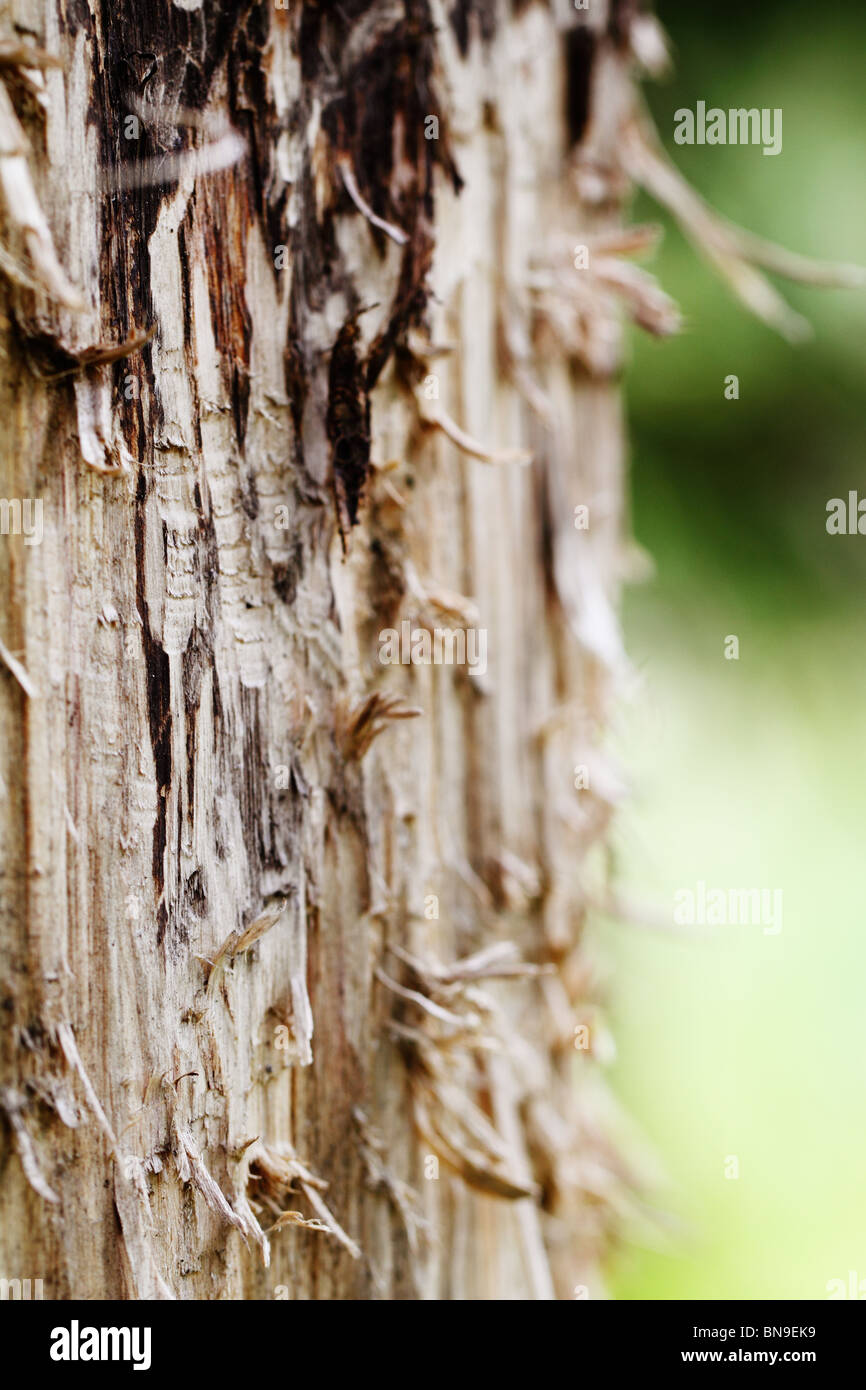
(184, 1054)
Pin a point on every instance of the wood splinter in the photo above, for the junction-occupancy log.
(395, 233)
(242, 938)
(97, 355)
(360, 725)
(435, 418)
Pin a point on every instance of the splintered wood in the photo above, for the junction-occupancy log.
(291, 936)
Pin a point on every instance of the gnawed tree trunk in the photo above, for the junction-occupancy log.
(248, 868)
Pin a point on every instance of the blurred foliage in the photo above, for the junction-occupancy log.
(750, 773)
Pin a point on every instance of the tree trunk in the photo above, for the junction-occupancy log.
(249, 865)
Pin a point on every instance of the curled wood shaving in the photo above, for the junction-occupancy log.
(295, 1218)
(329, 1221)
(578, 305)
(13, 1106)
(94, 413)
(735, 253)
(648, 305)
(649, 44)
(451, 1020)
(68, 1047)
(441, 1125)
(635, 240)
(278, 1171)
(354, 192)
(24, 213)
(242, 938)
(501, 961)
(436, 418)
(447, 1068)
(585, 601)
(446, 601)
(100, 353)
(18, 671)
(54, 1092)
(297, 1019)
(279, 1168)
(192, 1168)
(359, 725)
(396, 497)
(302, 1020)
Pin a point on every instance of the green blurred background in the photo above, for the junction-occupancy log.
(750, 773)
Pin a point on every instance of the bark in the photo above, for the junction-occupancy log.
(302, 293)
